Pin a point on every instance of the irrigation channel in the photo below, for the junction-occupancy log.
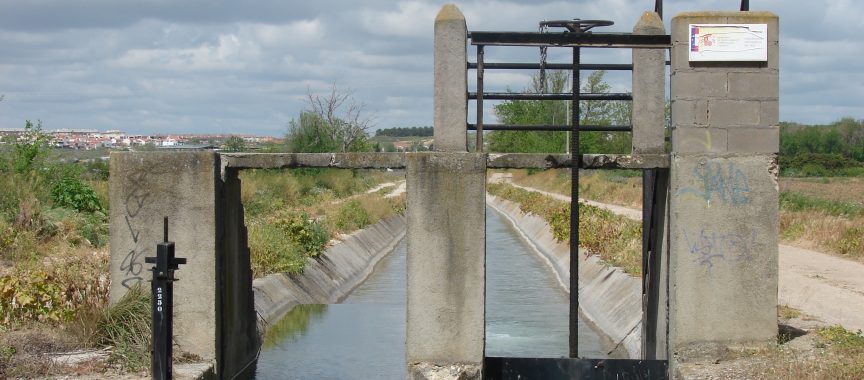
(364, 337)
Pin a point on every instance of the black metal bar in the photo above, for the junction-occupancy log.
(162, 305)
(480, 68)
(658, 7)
(544, 127)
(551, 66)
(574, 209)
(562, 96)
(497, 368)
(745, 5)
(648, 191)
(595, 40)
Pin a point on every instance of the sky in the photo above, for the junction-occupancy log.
(246, 67)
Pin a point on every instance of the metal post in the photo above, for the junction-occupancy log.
(658, 8)
(576, 159)
(479, 147)
(162, 287)
(745, 5)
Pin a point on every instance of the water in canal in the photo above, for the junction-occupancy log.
(364, 337)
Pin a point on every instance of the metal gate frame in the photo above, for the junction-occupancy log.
(576, 36)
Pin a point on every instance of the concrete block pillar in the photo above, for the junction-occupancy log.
(649, 86)
(144, 188)
(446, 265)
(723, 196)
(451, 80)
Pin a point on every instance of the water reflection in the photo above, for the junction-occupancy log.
(294, 325)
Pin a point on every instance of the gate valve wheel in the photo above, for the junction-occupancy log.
(576, 25)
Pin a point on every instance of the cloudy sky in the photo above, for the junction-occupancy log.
(198, 66)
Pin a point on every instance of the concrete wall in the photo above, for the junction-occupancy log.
(329, 277)
(723, 206)
(446, 264)
(609, 299)
(185, 187)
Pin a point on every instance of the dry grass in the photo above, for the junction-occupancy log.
(818, 227)
(608, 186)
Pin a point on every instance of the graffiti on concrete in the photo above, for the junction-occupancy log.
(709, 246)
(137, 195)
(727, 184)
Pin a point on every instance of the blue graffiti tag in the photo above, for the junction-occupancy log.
(729, 184)
(709, 246)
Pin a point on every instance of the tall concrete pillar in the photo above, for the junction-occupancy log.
(649, 86)
(723, 196)
(451, 80)
(145, 187)
(446, 265)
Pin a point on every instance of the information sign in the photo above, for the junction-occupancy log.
(729, 42)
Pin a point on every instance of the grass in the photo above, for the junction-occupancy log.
(126, 327)
(823, 214)
(291, 215)
(616, 239)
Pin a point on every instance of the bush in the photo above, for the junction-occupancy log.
(819, 165)
(851, 242)
(73, 193)
(351, 216)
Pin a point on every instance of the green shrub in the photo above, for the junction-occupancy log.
(32, 296)
(851, 242)
(273, 251)
(73, 193)
(792, 201)
(308, 234)
(351, 217)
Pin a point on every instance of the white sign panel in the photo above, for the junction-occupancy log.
(729, 42)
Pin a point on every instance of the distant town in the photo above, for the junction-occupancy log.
(89, 139)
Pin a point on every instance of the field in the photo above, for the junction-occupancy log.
(822, 214)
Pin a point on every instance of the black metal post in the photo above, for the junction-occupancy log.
(574, 209)
(658, 7)
(745, 5)
(162, 287)
(479, 143)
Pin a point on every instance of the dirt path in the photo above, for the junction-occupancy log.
(823, 286)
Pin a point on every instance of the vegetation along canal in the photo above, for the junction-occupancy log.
(364, 337)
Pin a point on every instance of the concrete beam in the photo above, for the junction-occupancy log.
(446, 265)
(451, 80)
(313, 160)
(589, 161)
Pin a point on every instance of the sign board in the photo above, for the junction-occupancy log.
(729, 42)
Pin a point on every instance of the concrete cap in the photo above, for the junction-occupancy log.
(749, 15)
(649, 23)
(448, 13)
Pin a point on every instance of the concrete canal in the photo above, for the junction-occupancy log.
(364, 337)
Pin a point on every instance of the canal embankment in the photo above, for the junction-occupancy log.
(330, 276)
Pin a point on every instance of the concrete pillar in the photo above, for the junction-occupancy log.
(649, 86)
(724, 191)
(451, 80)
(446, 265)
(145, 187)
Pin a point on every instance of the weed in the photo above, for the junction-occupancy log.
(800, 202)
(851, 242)
(787, 312)
(73, 193)
(351, 216)
(616, 239)
(842, 340)
(126, 326)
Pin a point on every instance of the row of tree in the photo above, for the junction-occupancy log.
(405, 132)
(836, 149)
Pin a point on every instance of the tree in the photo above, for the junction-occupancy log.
(332, 123)
(534, 112)
(235, 144)
(31, 148)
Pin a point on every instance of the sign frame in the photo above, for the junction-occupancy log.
(728, 42)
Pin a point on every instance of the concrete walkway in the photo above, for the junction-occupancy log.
(820, 285)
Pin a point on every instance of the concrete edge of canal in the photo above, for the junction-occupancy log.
(609, 299)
